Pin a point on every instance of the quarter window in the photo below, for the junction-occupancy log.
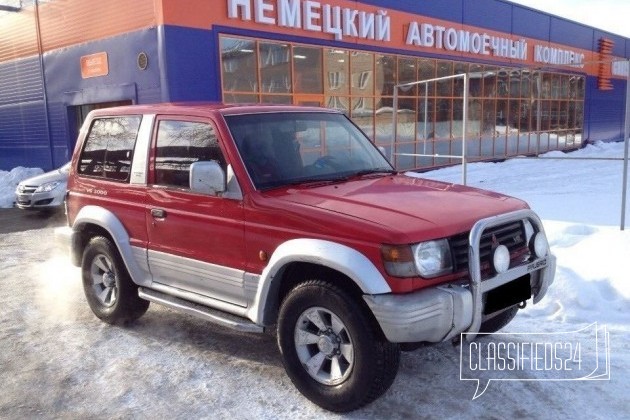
(108, 150)
(180, 144)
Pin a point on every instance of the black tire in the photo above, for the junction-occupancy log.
(367, 363)
(110, 292)
(499, 321)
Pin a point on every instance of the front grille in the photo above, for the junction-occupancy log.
(44, 202)
(511, 234)
(27, 189)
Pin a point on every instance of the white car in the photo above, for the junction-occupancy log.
(45, 191)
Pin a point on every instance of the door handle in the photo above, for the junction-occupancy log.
(158, 213)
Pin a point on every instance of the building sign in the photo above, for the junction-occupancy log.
(343, 20)
(94, 65)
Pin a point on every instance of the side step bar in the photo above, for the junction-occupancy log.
(221, 318)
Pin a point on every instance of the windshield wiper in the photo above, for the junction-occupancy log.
(318, 181)
(374, 171)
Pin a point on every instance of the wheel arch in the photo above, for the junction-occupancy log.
(298, 260)
(94, 221)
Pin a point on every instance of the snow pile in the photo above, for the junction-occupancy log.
(591, 283)
(10, 180)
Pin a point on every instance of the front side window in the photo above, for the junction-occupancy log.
(108, 150)
(299, 147)
(180, 144)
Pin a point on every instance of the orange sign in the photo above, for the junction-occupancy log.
(94, 65)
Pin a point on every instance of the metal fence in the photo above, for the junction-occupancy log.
(464, 159)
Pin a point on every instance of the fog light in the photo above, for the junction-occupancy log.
(501, 259)
(538, 245)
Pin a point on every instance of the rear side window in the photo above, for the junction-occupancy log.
(108, 150)
(180, 144)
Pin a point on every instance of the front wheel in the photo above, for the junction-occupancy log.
(110, 292)
(331, 350)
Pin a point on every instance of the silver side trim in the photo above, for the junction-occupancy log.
(250, 284)
(140, 256)
(214, 316)
(141, 152)
(197, 276)
(202, 300)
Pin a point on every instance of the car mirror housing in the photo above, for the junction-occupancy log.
(207, 177)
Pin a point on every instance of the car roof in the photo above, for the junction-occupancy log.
(204, 108)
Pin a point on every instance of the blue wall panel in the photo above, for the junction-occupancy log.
(23, 133)
(20, 81)
(569, 33)
(529, 23)
(442, 9)
(606, 111)
(488, 14)
(191, 58)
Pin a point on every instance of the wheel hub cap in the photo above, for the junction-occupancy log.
(327, 345)
(109, 280)
(324, 346)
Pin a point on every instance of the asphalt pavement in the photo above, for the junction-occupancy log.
(17, 220)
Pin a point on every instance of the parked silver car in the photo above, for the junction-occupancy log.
(45, 191)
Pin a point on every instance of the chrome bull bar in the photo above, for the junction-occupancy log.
(543, 268)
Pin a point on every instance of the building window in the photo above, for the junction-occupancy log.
(510, 110)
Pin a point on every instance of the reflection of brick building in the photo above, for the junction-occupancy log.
(61, 58)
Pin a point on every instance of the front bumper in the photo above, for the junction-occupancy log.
(440, 313)
(39, 201)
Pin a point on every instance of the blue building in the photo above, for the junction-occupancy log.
(536, 82)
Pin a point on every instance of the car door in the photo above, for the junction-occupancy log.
(195, 240)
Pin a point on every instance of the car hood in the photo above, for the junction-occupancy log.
(416, 208)
(55, 175)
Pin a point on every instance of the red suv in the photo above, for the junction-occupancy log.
(259, 217)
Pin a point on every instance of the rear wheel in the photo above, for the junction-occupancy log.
(110, 292)
(331, 350)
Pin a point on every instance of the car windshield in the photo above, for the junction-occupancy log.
(290, 148)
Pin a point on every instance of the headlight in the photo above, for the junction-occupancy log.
(49, 186)
(433, 258)
(426, 259)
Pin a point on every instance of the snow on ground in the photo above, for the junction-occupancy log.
(57, 360)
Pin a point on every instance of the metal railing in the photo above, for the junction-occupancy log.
(464, 76)
(463, 157)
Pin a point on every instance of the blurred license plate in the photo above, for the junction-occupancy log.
(509, 294)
